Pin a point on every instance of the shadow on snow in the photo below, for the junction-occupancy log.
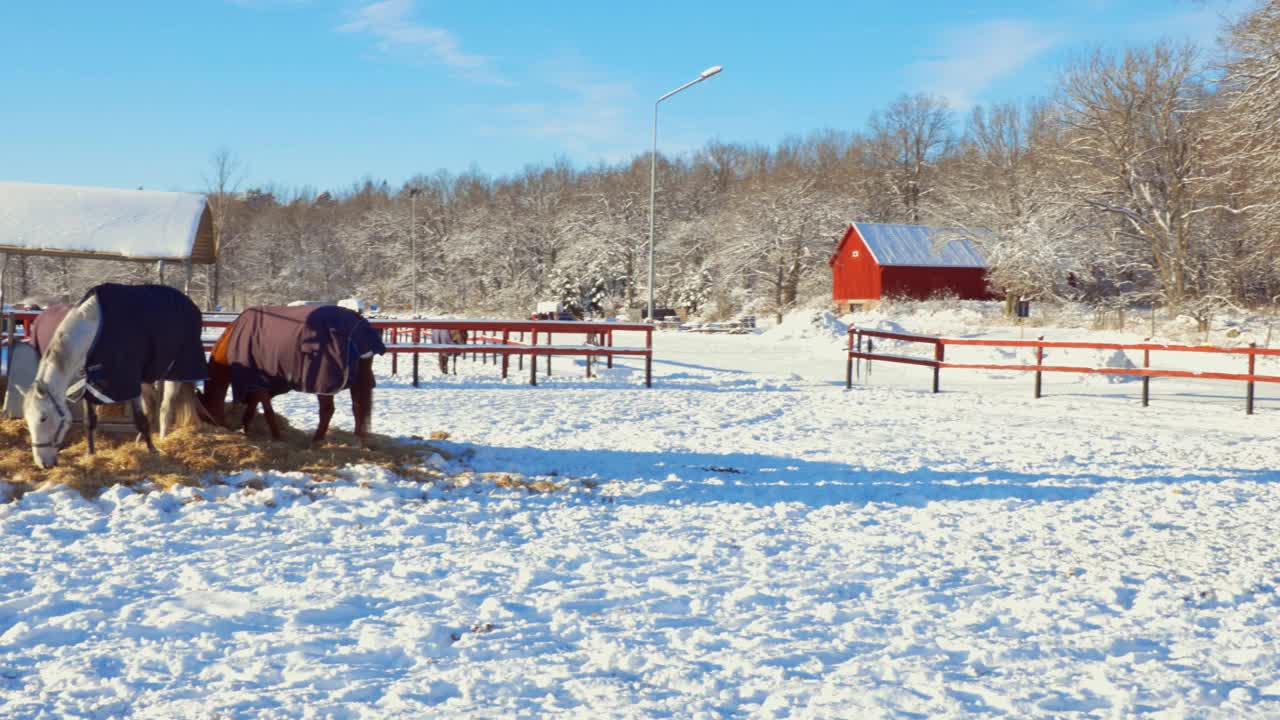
(762, 480)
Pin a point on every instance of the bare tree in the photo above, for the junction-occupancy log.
(908, 139)
(1133, 151)
(223, 180)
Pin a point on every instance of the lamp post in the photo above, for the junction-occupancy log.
(413, 241)
(653, 171)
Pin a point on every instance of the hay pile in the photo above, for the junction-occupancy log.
(197, 456)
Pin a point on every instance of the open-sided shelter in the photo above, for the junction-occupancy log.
(102, 224)
(874, 260)
(105, 223)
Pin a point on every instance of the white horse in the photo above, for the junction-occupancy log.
(45, 406)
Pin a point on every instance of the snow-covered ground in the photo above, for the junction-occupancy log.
(747, 538)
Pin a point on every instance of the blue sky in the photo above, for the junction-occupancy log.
(322, 93)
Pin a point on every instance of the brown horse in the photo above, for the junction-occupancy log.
(448, 337)
(269, 351)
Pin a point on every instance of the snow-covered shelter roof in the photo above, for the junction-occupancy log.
(921, 246)
(105, 223)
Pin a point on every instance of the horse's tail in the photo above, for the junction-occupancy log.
(181, 407)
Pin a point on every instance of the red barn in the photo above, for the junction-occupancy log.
(874, 260)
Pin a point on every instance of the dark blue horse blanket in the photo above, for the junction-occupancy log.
(306, 349)
(148, 333)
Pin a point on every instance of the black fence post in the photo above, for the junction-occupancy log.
(848, 368)
(938, 353)
(1146, 379)
(1039, 363)
(858, 362)
(1248, 403)
(533, 361)
(506, 356)
(648, 357)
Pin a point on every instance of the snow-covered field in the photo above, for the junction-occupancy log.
(746, 539)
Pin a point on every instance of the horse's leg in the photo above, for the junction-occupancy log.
(142, 424)
(150, 403)
(250, 410)
(362, 400)
(166, 407)
(269, 413)
(214, 397)
(90, 421)
(326, 414)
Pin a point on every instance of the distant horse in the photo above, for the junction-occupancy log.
(448, 337)
(271, 350)
(123, 338)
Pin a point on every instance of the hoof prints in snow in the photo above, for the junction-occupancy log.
(876, 553)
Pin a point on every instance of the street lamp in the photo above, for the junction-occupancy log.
(413, 241)
(653, 170)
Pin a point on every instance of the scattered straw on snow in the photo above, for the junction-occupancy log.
(198, 456)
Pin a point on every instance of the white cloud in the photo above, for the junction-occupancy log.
(969, 60)
(390, 24)
(595, 120)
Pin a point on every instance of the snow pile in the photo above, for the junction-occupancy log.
(807, 325)
(932, 317)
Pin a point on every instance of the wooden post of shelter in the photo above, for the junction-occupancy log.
(4, 311)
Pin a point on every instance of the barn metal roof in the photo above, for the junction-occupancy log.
(105, 223)
(921, 246)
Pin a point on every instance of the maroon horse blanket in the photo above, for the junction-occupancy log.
(305, 349)
(45, 325)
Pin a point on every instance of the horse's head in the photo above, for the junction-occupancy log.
(214, 411)
(48, 419)
(214, 396)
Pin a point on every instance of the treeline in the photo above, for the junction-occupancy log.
(1148, 175)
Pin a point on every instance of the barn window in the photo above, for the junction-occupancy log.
(854, 254)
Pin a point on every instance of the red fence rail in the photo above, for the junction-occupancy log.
(857, 336)
(499, 339)
(503, 339)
